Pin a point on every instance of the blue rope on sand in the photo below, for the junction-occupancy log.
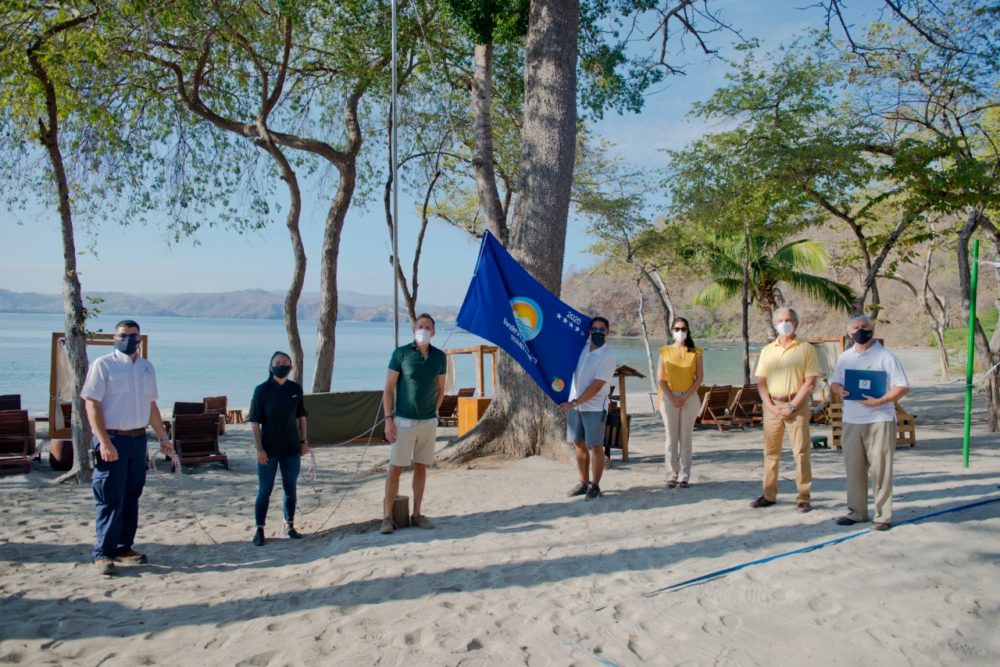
(813, 547)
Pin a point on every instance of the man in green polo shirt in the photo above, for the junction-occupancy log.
(414, 387)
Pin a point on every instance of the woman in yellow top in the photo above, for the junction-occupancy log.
(679, 375)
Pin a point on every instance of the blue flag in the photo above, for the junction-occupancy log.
(509, 308)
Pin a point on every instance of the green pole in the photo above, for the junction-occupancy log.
(971, 356)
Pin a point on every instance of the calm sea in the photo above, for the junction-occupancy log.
(198, 357)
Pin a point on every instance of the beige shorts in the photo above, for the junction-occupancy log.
(414, 442)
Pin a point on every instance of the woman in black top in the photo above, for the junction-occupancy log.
(278, 415)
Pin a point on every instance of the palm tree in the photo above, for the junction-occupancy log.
(790, 266)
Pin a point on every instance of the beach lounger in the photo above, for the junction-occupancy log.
(715, 409)
(217, 405)
(448, 412)
(10, 402)
(16, 442)
(196, 439)
(466, 392)
(747, 407)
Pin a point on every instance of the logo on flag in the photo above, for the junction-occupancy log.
(508, 307)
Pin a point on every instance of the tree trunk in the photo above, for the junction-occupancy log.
(326, 329)
(666, 303)
(299, 254)
(482, 156)
(645, 337)
(521, 420)
(983, 351)
(869, 284)
(75, 325)
(745, 304)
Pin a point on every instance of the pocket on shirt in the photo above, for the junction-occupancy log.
(118, 383)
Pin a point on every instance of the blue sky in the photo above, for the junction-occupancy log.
(144, 260)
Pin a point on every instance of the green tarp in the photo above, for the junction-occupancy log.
(344, 416)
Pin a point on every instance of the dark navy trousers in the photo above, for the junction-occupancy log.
(266, 472)
(117, 487)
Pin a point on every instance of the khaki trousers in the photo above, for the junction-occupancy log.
(868, 448)
(797, 425)
(679, 424)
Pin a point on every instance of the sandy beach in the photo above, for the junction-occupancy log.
(517, 573)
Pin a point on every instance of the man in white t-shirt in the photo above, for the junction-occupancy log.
(586, 409)
(869, 435)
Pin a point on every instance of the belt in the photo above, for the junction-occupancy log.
(134, 432)
(782, 399)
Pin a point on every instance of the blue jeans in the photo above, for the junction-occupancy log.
(290, 466)
(117, 487)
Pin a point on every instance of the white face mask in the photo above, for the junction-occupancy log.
(680, 336)
(422, 336)
(785, 328)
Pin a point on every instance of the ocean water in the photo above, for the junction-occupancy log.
(196, 357)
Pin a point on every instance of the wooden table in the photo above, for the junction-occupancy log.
(469, 412)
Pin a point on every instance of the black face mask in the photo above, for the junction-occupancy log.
(862, 336)
(280, 371)
(597, 338)
(128, 345)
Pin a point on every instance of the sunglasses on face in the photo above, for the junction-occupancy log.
(603, 331)
(680, 328)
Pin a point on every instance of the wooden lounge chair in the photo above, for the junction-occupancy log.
(466, 392)
(188, 408)
(448, 412)
(16, 442)
(10, 402)
(906, 425)
(216, 405)
(747, 407)
(196, 439)
(715, 409)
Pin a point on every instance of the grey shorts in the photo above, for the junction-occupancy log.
(585, 427)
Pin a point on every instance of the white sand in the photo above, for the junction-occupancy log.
(515, 572)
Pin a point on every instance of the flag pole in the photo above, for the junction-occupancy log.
(395, 186)
(971, 353)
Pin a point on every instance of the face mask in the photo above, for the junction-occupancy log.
(128, 345)
(862, 336)
(597, 338)
(785, 328)
(680, 336)
(280, 371)
(422, 336)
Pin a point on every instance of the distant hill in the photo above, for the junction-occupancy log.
(244, 304)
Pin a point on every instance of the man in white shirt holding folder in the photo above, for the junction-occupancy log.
(869, 435)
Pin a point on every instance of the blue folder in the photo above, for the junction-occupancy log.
(859, 384)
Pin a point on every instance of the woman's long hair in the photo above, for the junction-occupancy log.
(688, 341)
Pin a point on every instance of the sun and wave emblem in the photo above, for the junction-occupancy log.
(558, 384)
(528, 316)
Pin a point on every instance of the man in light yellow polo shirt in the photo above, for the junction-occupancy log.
(786, 373)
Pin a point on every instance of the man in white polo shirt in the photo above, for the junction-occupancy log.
(586, 409)
(869, 435)
(120, 395)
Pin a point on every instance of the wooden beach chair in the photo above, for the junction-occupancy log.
(10, 402)
(747, 407)
(448, 412)
(196, 439)
(466, 392)
(216, 405)
(906, 427)
(16, 442)
(715, 408)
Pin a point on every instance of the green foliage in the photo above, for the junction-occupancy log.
(771, 268)
(491, 21)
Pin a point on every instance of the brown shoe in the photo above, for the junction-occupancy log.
(802, 508)
(105, 566)
(132, 557)
(881, 525)
(762, 502)
(420, 521)
(387, 527)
